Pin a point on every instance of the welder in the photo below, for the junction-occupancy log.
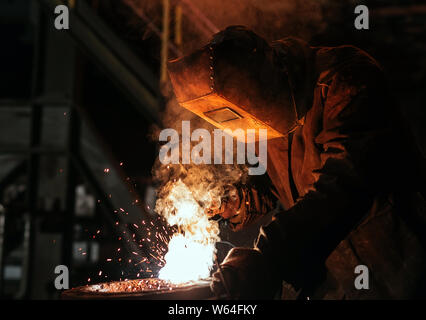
(340, 160)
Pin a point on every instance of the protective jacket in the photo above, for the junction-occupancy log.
(348, 178)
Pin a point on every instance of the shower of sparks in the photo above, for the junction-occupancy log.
(177, 245)
(153, 245)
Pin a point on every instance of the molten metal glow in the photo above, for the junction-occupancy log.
(192, 248)
(187, 260)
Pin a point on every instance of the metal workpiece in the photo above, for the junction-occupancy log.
(143, 289)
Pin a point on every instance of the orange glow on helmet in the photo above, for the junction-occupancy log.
(236, 82)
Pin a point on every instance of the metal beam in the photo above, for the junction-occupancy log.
(85, 29)
(115, 44)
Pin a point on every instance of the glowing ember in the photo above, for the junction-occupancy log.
(144, 289)
(192, 248)
(142, 285)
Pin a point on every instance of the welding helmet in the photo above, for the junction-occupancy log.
(236, 82)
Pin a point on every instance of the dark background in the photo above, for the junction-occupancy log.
(78, 108)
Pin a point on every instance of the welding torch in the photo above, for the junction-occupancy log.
(228, 295)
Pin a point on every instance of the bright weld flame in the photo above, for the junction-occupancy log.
(192, 248)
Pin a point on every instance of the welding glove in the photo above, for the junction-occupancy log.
(245, 274)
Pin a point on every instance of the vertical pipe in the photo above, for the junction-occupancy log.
(73, 149)
(71, 4)
(178, 25)
(165, 41)
(34, 158)
(70, 197)
(2, 236)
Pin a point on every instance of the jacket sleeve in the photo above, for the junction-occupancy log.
(354, 128)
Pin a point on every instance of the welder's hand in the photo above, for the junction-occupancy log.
(245, 274)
